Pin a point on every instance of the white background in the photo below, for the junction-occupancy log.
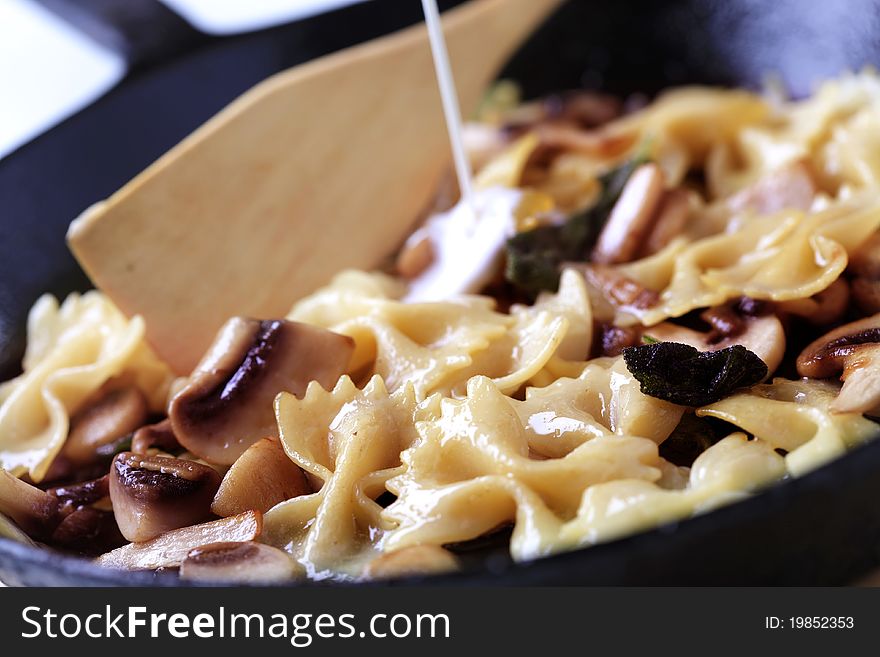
(48, 70)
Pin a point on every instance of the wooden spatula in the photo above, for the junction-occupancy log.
(319, 168)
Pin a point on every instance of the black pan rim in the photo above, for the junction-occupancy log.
(862, 460)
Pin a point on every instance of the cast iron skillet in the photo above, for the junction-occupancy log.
(821, 529)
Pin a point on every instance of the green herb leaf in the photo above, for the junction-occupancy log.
(534, 257)
(110, 450)
(649, 339)
(680, 374)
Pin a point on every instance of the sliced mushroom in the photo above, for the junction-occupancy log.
(154, 494)
(82, 494)
(171, 548)
(725, 323)
(261, 478)
(853, 351)
(33, 510)
(618, 289)
(632, 217)
(671, 219)
(791, 187)
(826, 307)
(764, 336)
(112, 416)
(250, 563)
(227, 403)
(414, 560)
(87, 530)
(614, 339)
(159, 435)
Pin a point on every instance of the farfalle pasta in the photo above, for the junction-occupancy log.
(637, 317)
(73, 350)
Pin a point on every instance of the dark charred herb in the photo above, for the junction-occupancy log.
(680, 374)
(535, 257)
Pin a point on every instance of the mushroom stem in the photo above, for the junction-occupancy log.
(33, 510)
(261, 478)
(169, 550)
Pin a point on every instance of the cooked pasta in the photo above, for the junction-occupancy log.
(73, 350)
(638, 318)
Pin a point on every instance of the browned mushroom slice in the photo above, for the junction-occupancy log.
(261, 478)
(618, 289)
(170, 549)
(763, 336)
(227, 404)
(612, 340)
(252, 563)
(87, 530)
(159, 435)
(632, 217)
(415, 560)
(853, 351)
(154, 494)
(115, 414)
(85, 493)
(33, 510)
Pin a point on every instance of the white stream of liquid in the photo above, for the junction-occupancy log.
(449, 96)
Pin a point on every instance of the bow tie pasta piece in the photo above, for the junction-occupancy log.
(728, 471)
(795, 416)
(349, 295)
(834, 131)
(472, 469)
(349, 442)
(605, 399)
(437, 347)
(73, 350)
(790, 255)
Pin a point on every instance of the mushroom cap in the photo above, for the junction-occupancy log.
(828, 355)
(154, 494)
(115, 414)
(239, 562)
(227, 403)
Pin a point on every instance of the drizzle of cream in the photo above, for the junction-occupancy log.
(467, 246)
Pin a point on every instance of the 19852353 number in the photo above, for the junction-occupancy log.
(810, 622)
